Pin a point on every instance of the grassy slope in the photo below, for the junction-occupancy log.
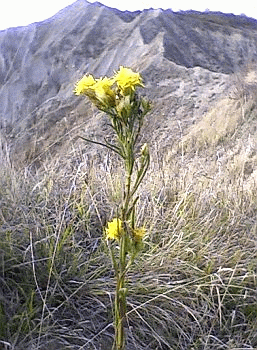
(194, 287)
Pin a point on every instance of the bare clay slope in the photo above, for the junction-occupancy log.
(185, 58)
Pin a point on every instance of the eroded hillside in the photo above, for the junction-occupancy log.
(186, 60)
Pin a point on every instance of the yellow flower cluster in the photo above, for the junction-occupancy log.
(114, 229)
(98, 90)
(84, 84)
(139, 233)
(127, 80)
(105, 92)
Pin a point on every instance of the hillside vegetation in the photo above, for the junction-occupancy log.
(194, 286)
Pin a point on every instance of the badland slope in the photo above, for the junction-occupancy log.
(187, 60)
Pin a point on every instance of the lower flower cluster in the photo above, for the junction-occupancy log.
(115, 230)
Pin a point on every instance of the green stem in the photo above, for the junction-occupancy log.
(141, 175)
(127, 198)
(120, 295)
(120, 299)
(127, 131)
(119, 327)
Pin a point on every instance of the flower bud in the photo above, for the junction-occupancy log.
(144, 150)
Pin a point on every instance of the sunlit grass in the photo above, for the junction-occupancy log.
(193, 287)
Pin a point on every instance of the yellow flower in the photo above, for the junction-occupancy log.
(103, 91)
(127, 80)
(139, 233)
(84, 85)
(114, 229)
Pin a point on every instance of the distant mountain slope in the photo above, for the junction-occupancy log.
(185, 59)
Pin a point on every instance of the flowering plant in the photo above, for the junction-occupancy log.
(117, 97)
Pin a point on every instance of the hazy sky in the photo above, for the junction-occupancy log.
(15, 13)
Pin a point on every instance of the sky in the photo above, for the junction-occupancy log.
(14, 13)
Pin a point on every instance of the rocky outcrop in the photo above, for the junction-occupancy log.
(185, 59)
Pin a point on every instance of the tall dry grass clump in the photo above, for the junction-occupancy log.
(192, 287)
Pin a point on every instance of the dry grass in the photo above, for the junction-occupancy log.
(194, 286)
